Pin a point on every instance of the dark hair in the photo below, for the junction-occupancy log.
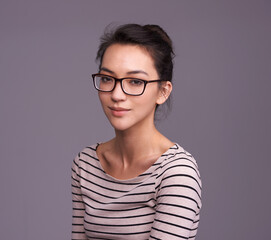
(151, 37)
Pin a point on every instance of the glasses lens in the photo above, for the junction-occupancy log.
(104, 83)
(133, 86)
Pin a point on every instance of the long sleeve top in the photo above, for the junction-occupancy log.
(164, 202)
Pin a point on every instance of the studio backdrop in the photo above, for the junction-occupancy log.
(50, 110)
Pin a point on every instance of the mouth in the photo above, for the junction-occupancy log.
(118, 111)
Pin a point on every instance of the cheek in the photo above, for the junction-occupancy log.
(147, 103)
(102, 98)
(152, 96)
(104, 102)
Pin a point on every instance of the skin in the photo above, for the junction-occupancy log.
(137, 144)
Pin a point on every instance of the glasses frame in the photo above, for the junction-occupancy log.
(120, 80)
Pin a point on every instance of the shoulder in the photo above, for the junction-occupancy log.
(88, 156)
(180, 165)
(179, 178)
(176, 156)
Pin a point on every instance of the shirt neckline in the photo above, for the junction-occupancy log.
(142, 175)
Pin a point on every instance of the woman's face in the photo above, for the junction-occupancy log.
(122, 110)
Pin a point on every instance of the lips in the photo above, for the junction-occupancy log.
(119, 111)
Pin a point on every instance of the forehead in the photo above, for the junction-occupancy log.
(127, 57)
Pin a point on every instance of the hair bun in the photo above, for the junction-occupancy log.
(158, 30)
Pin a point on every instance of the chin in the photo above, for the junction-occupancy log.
(127, 122)
(118, 126)
(122, 125)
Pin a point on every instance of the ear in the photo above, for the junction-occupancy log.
(165, 90)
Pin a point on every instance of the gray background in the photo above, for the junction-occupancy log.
(49, 110)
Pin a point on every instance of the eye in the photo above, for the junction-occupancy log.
(106, 79)
(136, 82)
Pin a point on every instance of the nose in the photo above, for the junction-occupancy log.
(117, 94)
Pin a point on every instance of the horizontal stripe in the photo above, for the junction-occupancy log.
(178, 206)
(118, 225)
(183, 186)
(172, 224)
(174, 215)
(183, 175)
(179, 196)
(170, 233)
(121, 217)
(115, 210)
(118, 233)
(118, 203)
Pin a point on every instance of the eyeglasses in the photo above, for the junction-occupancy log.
(130, 86)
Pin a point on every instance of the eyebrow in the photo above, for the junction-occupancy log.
(129, 73)
(106, 70)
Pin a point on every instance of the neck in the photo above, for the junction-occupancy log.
(134, 143)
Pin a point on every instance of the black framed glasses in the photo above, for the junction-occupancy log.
(130, 86)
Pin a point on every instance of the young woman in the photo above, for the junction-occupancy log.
(138, 185)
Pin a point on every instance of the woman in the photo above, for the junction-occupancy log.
(140, 184)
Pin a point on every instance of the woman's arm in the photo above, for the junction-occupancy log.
(178, 202)
(78, 231)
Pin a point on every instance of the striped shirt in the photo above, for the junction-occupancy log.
(164, 202)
